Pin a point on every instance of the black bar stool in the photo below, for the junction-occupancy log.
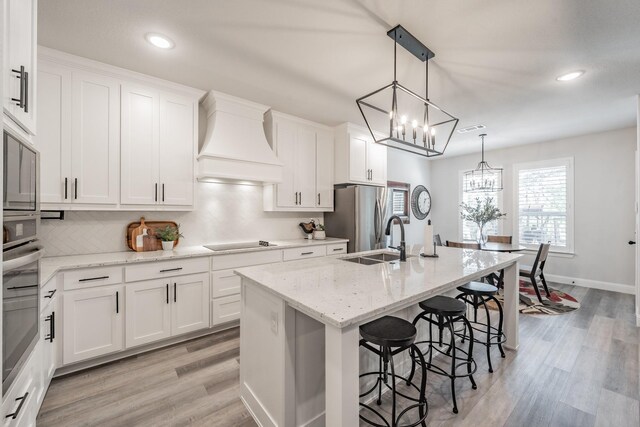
(392, 335)
(447, 311)
(478, 294)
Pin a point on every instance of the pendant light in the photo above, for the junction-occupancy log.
(413, 122)
(483, 178)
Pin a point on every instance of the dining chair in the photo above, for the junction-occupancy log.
(437, 240)
(537, 269)
(463, 245)
(499, 239)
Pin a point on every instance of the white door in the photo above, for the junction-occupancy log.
(286, 191)
(95, 138)
(176, 150)
(148, 312)
(324, 169)
(190, 310)
(358, 171)
(140, 117)
(305, 176)
(20, 43)
(53, 138)
(377, 163)
(50, 337)
(93, 323)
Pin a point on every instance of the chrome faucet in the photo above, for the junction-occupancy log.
(402, 248)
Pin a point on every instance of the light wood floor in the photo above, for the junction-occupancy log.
(578, 369)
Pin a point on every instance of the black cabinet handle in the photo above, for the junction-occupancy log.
(171, 269)
(22, 399)
(306, 253)
(318, 198)
(156, 192)
(26, 92)
(163, 192)
(22, 287)
(117, 303)
(52, 329)
(167, 293)
(75, 188)
(51, 294)
(632, 242)
(93, 278)
(175, 292)
(337, 249)
(20, 74)
(66, 185)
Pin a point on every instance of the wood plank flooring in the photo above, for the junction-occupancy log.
(579, 369)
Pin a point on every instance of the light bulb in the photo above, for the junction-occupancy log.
(414, 124)
(425, 128)
(433, 131)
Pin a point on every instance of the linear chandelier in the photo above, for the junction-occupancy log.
(414, 123)
(483, 178)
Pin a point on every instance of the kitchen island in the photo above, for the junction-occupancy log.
(299, 339)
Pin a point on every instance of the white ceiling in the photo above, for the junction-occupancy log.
(496, 60)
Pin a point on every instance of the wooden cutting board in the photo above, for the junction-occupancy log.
(151, 242)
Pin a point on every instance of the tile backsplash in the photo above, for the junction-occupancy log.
(224, 213)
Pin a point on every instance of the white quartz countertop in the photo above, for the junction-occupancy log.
(342, 293)
(51, 265)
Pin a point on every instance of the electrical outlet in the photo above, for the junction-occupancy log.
(274, 322)
(19, 230)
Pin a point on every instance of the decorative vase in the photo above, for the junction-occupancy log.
(481, 236)
(319, 235)
(167, 246)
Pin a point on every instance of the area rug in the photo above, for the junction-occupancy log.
(558, 303)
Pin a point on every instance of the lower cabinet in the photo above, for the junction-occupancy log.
(93, 323)
(158, 309)
(48, 343)
(225, 309)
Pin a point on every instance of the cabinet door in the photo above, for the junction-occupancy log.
(140, 146)
(190, 310)
(49, 336)
(377, 163)
(324, 170)
(286, 134)
(53, 138)
(305, 175)
(148, 312)
(93, 323)
(21, 35)
(358, 160)
(176, 151)
(95, 138)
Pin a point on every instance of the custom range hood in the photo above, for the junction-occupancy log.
(235, 148)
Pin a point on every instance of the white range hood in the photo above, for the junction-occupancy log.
(235, 148)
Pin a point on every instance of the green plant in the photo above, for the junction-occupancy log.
(320, 227)
(482, 212)
(169, 233)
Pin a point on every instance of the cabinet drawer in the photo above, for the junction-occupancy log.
(158, 270)
(225, 309)
(337, 248)
(90, 277)
(20, 396)
(224, 262)
(48, 293)
(301, 253)
(224, 283)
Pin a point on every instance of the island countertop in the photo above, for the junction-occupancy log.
(340, 293)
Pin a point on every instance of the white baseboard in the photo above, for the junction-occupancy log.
(595, 284)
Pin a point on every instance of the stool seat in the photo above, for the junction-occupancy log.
(389, 331)
(443, 305)
(478, 288)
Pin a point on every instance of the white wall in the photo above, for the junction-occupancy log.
(225, 213)
(407, 167)
(604, 170)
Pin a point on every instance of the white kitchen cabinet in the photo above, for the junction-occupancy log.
(306, 151)
(93, 323)
(225, 309)
(148, 312)
(78, 137)
(20, 47)
(48, 353)
(158, 140)
(358, 159)
(190, 309)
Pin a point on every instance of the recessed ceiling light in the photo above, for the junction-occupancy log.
(570, 76)
(158, 40)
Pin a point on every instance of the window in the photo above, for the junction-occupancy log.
(468, 229)
(399, 199)
(544, 204)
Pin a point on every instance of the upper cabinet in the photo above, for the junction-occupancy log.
(306, 151)
(111, 143)
(358, 159)
(19, 71)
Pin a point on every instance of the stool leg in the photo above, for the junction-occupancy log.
(394, 422)
(423, 387)
(453, 366)
(470, 355)
(430, 340)
(411, 352)
(475, 308)
(500, 320)
(379, 380)
(488, 343)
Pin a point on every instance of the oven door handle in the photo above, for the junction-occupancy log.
(12, 264)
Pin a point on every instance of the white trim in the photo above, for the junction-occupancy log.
(593, 284)
(563, 161)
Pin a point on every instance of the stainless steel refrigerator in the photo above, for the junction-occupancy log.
(360, 215)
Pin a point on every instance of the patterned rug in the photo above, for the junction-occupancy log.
(558, 303)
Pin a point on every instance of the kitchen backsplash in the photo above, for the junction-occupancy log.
(224, 213)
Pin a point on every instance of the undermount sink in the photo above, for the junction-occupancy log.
(362, 260)
(238, 246)
(373, 259)
(384, 257)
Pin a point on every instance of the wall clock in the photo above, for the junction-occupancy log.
(420, 202)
